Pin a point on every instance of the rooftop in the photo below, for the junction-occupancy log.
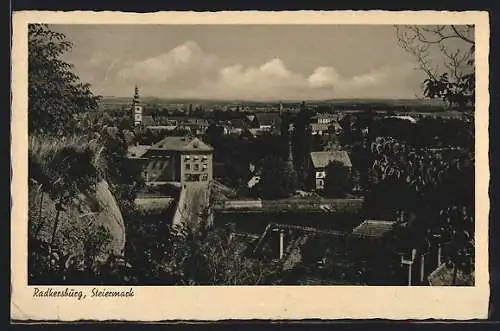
(322, 159)
(182, 144)
(137, 151)
(292, 205)
(319, 126)
(404, 118)
(373, 228)
(268, 118)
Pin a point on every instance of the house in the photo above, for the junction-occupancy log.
(326, 118)
(319, 129)
(175, 159)
(319, 162)
(268, 121)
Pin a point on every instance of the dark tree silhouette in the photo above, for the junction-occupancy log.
(55, 94)
(278, 179)
(337, 182)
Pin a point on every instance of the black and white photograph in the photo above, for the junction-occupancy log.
(251, 155)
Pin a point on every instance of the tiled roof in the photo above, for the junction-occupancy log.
(373, 228)
(289, 205)
(326, 115)
(182, 144)
(322, 159)
(268, 118)
(148, 120)
(137, 151)
(319, 126)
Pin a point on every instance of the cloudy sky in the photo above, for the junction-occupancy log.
(243, 62)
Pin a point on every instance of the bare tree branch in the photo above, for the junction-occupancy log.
(462, 36)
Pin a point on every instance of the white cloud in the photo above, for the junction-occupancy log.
(187, 71)
(324, 77)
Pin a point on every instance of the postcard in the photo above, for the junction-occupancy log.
(249, 165)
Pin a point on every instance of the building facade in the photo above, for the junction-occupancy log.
(137, 109)
(320, 161)
(176, 159)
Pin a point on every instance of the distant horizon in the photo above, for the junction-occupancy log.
(234, 62)
(274, 100)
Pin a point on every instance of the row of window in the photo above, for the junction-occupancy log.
(196, 157)
(196, 177)
(196, 166)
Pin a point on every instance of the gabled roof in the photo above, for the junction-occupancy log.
(322, 159)
(137, 151)
(181, 144)
(268, 119)
(238, 123)
(148, 120)
(373, 228)
(326, 115)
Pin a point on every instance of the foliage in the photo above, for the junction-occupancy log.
(190, 255)
(55, 93)
(337, 182)
(456, 84)
(301, 139)
(49, 264)
(64, 168)
(434, 185)
(278, 179)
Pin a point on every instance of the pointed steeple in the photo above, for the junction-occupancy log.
(136, 96)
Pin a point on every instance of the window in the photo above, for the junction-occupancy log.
(204, 178)
(196, 167)
(204, 167)
(187, 166)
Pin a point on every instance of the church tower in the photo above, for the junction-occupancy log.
(137, 108)
(290, 152)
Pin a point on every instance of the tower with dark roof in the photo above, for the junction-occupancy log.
(137, 108)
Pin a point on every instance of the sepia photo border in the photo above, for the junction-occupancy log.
(158, 303)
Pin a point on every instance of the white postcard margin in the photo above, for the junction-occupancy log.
(153, 303)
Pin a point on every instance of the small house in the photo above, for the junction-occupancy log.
(320, 161)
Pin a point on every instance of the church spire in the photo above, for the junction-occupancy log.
(136, 95)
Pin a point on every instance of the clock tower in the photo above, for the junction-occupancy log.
(137, 108)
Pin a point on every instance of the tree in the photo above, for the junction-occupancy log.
(214, 135)
(278, 179)
(74, 171)
(456, 83)
(302, 139)
(55, 94)
(337, 179)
